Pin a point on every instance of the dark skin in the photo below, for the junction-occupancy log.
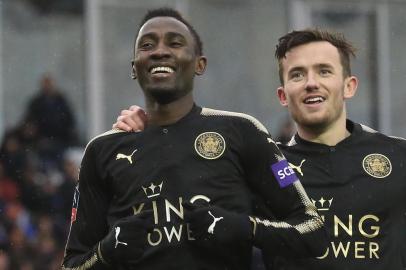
(165, 64)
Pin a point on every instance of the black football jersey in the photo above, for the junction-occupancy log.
(359, 189)
(222, 158)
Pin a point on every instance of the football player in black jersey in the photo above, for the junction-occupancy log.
(182, 193)
(354, 174)
(347, 168)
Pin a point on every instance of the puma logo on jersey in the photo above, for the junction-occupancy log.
(128, 157)
(117, 241)
(211, 227)
(299, 167)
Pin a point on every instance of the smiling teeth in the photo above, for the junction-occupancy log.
(162, 69)
(314, 99)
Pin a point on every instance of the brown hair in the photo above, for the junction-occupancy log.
(297, 38)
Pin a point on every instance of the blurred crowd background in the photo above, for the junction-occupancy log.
(64, 77)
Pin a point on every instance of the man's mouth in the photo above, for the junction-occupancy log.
(314, 100)
(161, 69)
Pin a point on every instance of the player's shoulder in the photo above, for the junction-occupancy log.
(376, 136)
(289, 148)
(235, 117)
(106, 138)
(286, 145)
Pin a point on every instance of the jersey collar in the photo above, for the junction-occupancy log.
(355, 130)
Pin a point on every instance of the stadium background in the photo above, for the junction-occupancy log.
(86, 46)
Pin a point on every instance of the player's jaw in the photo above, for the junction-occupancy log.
(318, 110)
(167, 81)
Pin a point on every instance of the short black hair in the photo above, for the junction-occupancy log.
(297, 38)
(169, 12)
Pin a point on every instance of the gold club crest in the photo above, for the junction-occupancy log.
(377, 165)
(210, 145)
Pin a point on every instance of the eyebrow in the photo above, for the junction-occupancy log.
(297, 68)
(154, 35)
(325, 65)
(176, 34)
(301, 68)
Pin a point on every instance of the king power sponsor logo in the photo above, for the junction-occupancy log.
(169, 225)
(353, 236)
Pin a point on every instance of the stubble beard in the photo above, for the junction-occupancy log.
(319, 124)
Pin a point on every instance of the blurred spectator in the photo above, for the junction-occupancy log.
(20, 250)
(50, 115)
(12, 155)
(21, 220)
(8, 188)
(32, 196)
(47, 250)
(46, 242)
(64, 194)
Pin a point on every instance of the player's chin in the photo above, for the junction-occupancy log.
(164, 95)
(314, 122)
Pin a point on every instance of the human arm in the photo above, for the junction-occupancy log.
(288, 223)
(92, 242)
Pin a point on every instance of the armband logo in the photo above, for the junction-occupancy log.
(377, 165)
(283, 173)
(210, 145)
(75, 204)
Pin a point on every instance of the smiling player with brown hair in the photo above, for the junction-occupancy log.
(346, 167)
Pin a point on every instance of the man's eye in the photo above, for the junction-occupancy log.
(296, 75)
(176, 44)
(325, 72)
(146, 45)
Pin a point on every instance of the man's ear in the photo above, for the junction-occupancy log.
(350, 86)
(201, 63)
(133, 71)
(282, 96)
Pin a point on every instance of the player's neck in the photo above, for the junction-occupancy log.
(166, 114)
(330, 135)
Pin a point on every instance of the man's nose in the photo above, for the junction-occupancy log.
(312, 81)
(160, 51)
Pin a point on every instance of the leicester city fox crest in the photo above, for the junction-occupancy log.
(377, 165)
(210, 145)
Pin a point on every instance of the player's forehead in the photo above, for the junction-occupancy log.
(164, 25)
(312, 54)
